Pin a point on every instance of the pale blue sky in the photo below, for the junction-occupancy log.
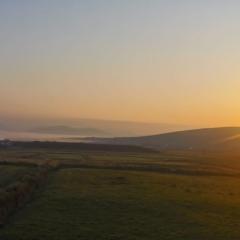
(162, 61)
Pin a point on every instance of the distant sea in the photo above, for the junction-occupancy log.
(30, 136)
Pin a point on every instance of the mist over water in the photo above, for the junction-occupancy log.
(74, 129)
(30, 136)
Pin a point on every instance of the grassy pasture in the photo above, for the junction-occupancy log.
(192, 163)
(11, 173)
(126, 195)
(110, 204)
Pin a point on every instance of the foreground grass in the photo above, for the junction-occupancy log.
(111, 204)
(9, 174)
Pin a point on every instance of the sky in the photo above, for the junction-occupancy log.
(166, 61)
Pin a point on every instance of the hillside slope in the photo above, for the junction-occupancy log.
(226, 138)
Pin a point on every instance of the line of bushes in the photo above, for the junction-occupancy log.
(17, 194)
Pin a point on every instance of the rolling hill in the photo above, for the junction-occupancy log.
(225, 138)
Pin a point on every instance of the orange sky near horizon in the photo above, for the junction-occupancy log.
(140, 61)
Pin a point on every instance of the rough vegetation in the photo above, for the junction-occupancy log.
(118, 194)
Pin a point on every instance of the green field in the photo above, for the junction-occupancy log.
(9, 174)
(111, 204)
(102, 195)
